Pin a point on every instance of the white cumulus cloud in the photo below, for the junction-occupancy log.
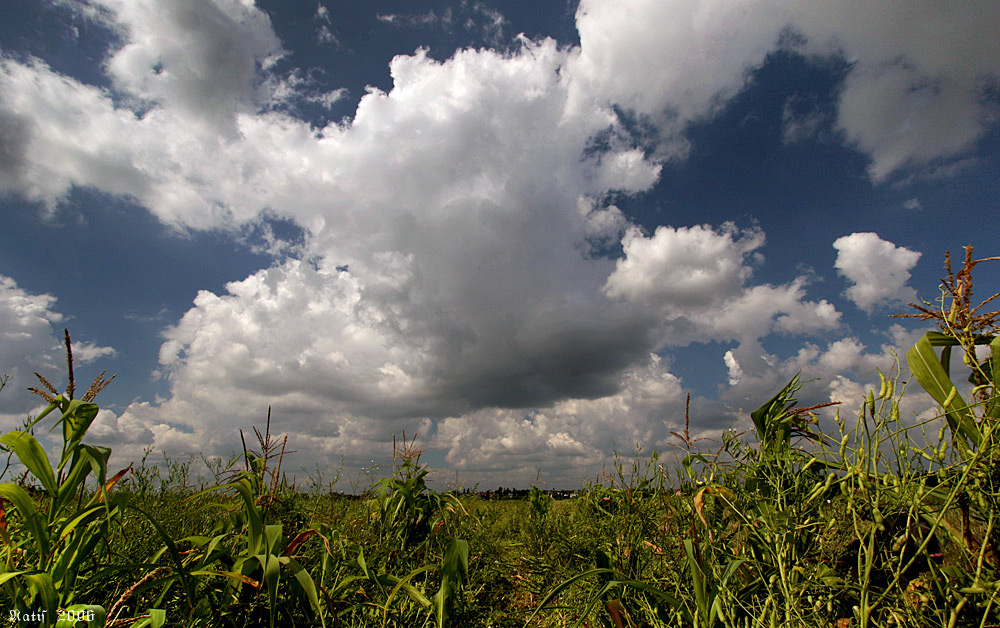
(878, 270)
(697, 280)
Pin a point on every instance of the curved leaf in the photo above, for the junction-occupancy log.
(931, 375)
(308, 586)
(29, 451)
(32, 518)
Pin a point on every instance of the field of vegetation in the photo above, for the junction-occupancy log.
(864, 524)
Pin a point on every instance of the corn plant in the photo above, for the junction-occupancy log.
(244, 554)
(385, 593)
(48, 554)
(975, 482)
(664, 606)
(403, 508)
(406, 513)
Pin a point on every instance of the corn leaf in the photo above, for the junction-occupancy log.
(272, 574)
(40, 585)
(308, 586)
(927, 370)
(32, 518)
(29, 451)
(76, 419)
(156, 619)
(454, 571)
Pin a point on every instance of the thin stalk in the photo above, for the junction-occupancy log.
(955, 611)
(982, 548)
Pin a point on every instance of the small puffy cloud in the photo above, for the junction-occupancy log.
(683, 267)
(322, 14)
(733, 366)
(878, 270)
(87, 352)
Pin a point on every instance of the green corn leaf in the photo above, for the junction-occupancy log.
(68, 490)
(58, 402)
(244, 487)
(10, 575)
(83, 517)
(209, 555)
(403, 584)
(927, 370)
(29, 451)
(697, 579)
(157, 618)
(454, 571)
(99, 457)
(76, 420)
(557, 591)
(993, 405)
(772, 423)
(272, 536)
(40, 586)
(272, 574)
(33, 520)
(308, 587)
(363, 565)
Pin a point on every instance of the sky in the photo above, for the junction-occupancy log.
(521, 233)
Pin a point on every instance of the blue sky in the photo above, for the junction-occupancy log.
(522, 233)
